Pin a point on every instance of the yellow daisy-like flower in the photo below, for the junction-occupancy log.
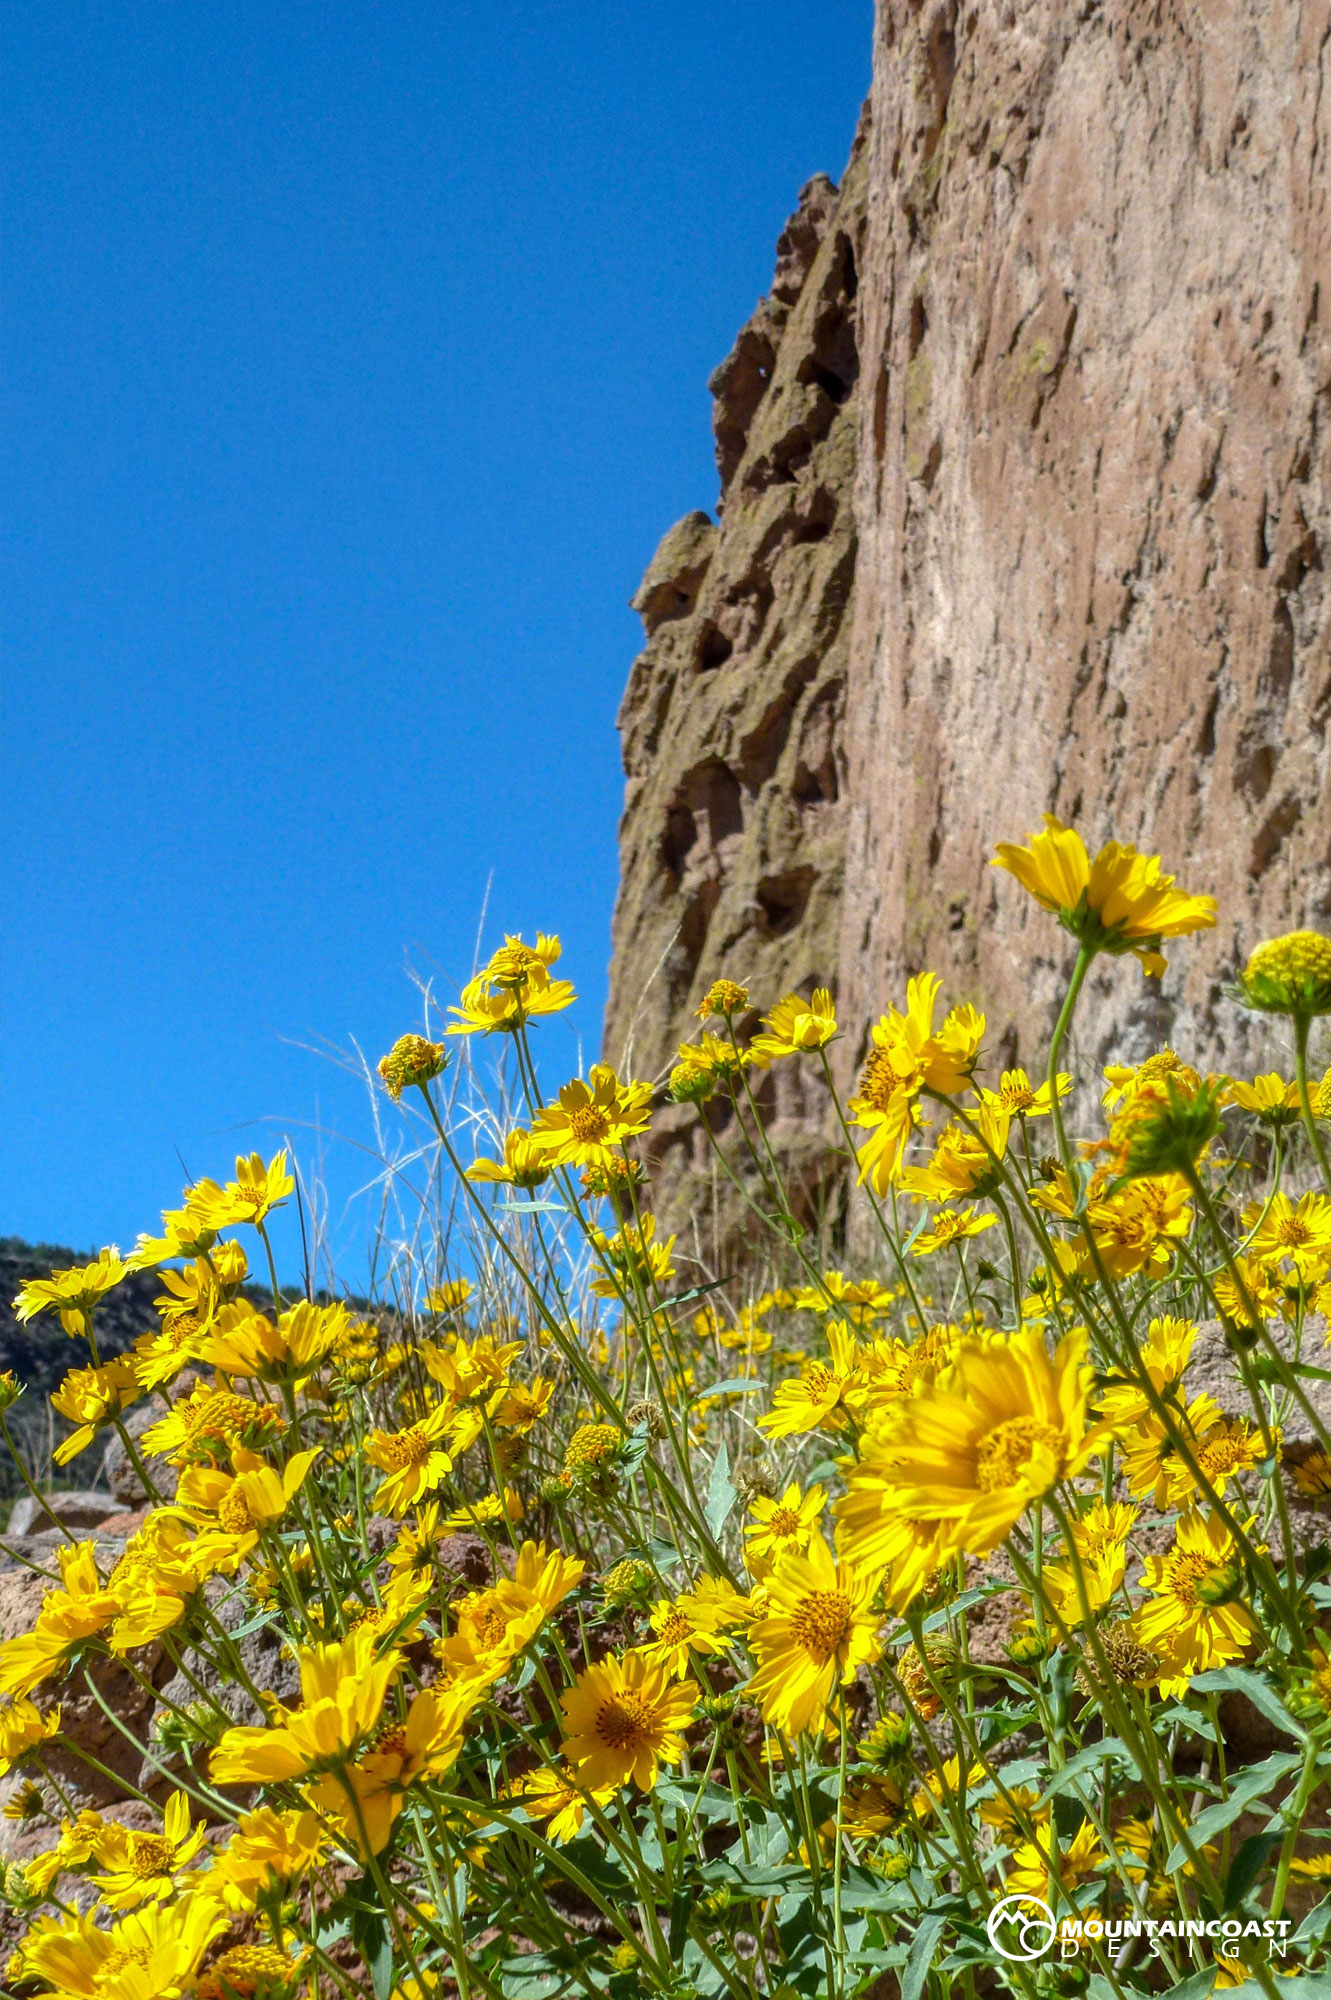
(91, 1398)
(231, 1509)
(906, 1057)
(1193, 1622)
(70, 1615)
(1289, 975)
(515, 987)
(23, 1729)
(1121, 901)
(820, 1628)
(949, 1226)
(723, 999)
(251, 1197)
(1163, 1356)
(153, 1950)
(343, 1688)
(554, 1796)
(1274, 1101)
(817, 1399)
(622, 1720)
(964, 1161)
(1100, 1537)
(1032, 1864)
(524, 1165)
(74, 1293)
(415, 1460)
(363, 1798)
(796, 1025)
(635, 1258)
(683, 1627)
(996, 1431)
(243, 1342)
(267, 1850)
(590, 1120)
(1297, 1236)
(184, 1236)
(783, 1527)
(1017, 1097)
(136, 1868)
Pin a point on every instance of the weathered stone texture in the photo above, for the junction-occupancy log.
(733, 834)
(1093, 495)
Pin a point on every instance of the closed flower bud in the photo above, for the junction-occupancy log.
(691, 1085)
(628, 1582)
(1167, 1137)
(1289, 975)
(1026, 1649)
(724, 997)
(892, 1867)
(718, 1708)
(591, 1449)
(887, 1742)
(10, 1390)
(411, 1060)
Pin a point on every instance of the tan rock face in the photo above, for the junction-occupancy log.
(1093, 494)
(733, 835)
(1077, 285)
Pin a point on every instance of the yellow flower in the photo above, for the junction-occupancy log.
(634, 1256)
(484, 1512)
(91, 1398)
(950, 1226)
(515, 987)
(1193, 1623)
(964, 1161)
(907, 1057)
(951, 1782)
(1289, 975)
(185, 1236)
(1121, 901)
(247, 1344)
(343, 1687)
(723, 998)
(23, 1729)
(1017, 1097)
(588, 1122)
(796, 1025)
(364, 1798)
(524, 1165)
(412, 1061)
(208, 1424)
(1298, 1236)
(1312, 1474)
(154, 1951)
(415, 1460)
(622, 1720)
(1032, 1866)
(971, 1451)
(820, 1628)
(817, 1399)
(1100, 1537)
(268, 1849)
(1224, 1448)
(858, 1301)
(683, 1628)
(553, 1795)
(1163, 1357)
(250, 1972)
(251, 1197)
(152, 1584)
(493, 1626)
(783, 1527)
(232, 1508)
(139, 1868)
(70, 1615)
(74, 1293)
(1274, 1101)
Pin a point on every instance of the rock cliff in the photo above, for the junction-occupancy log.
(1073, 300)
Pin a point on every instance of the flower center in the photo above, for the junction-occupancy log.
(880, 1081)
(150, 1854)
(588, 1124)
(1006, 1453)
(393, 1742)
(820, 1381)
(234, 1514)
(407, 1448)
(676, 1630)
(1293, 1232)
(784, 1521)
(1186, 1571)
(623, 1720)
(1017, 1096)
(822, 1622)
(490, 1625)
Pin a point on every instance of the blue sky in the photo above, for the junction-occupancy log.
(356, 361)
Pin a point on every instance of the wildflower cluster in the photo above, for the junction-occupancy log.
(638, 1629)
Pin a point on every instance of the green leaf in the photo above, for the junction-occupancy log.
(720, 1493)
(921, 1954)
(1086, 1760)
(734, 1385)
(1242, 1680)
(1246, 1786)
(1195, 1987)
(372, 1939)
(1247, 1865)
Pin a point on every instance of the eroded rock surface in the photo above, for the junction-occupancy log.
(1094, 498)
(733, 836)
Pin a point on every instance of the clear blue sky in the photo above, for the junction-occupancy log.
(356, 361)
